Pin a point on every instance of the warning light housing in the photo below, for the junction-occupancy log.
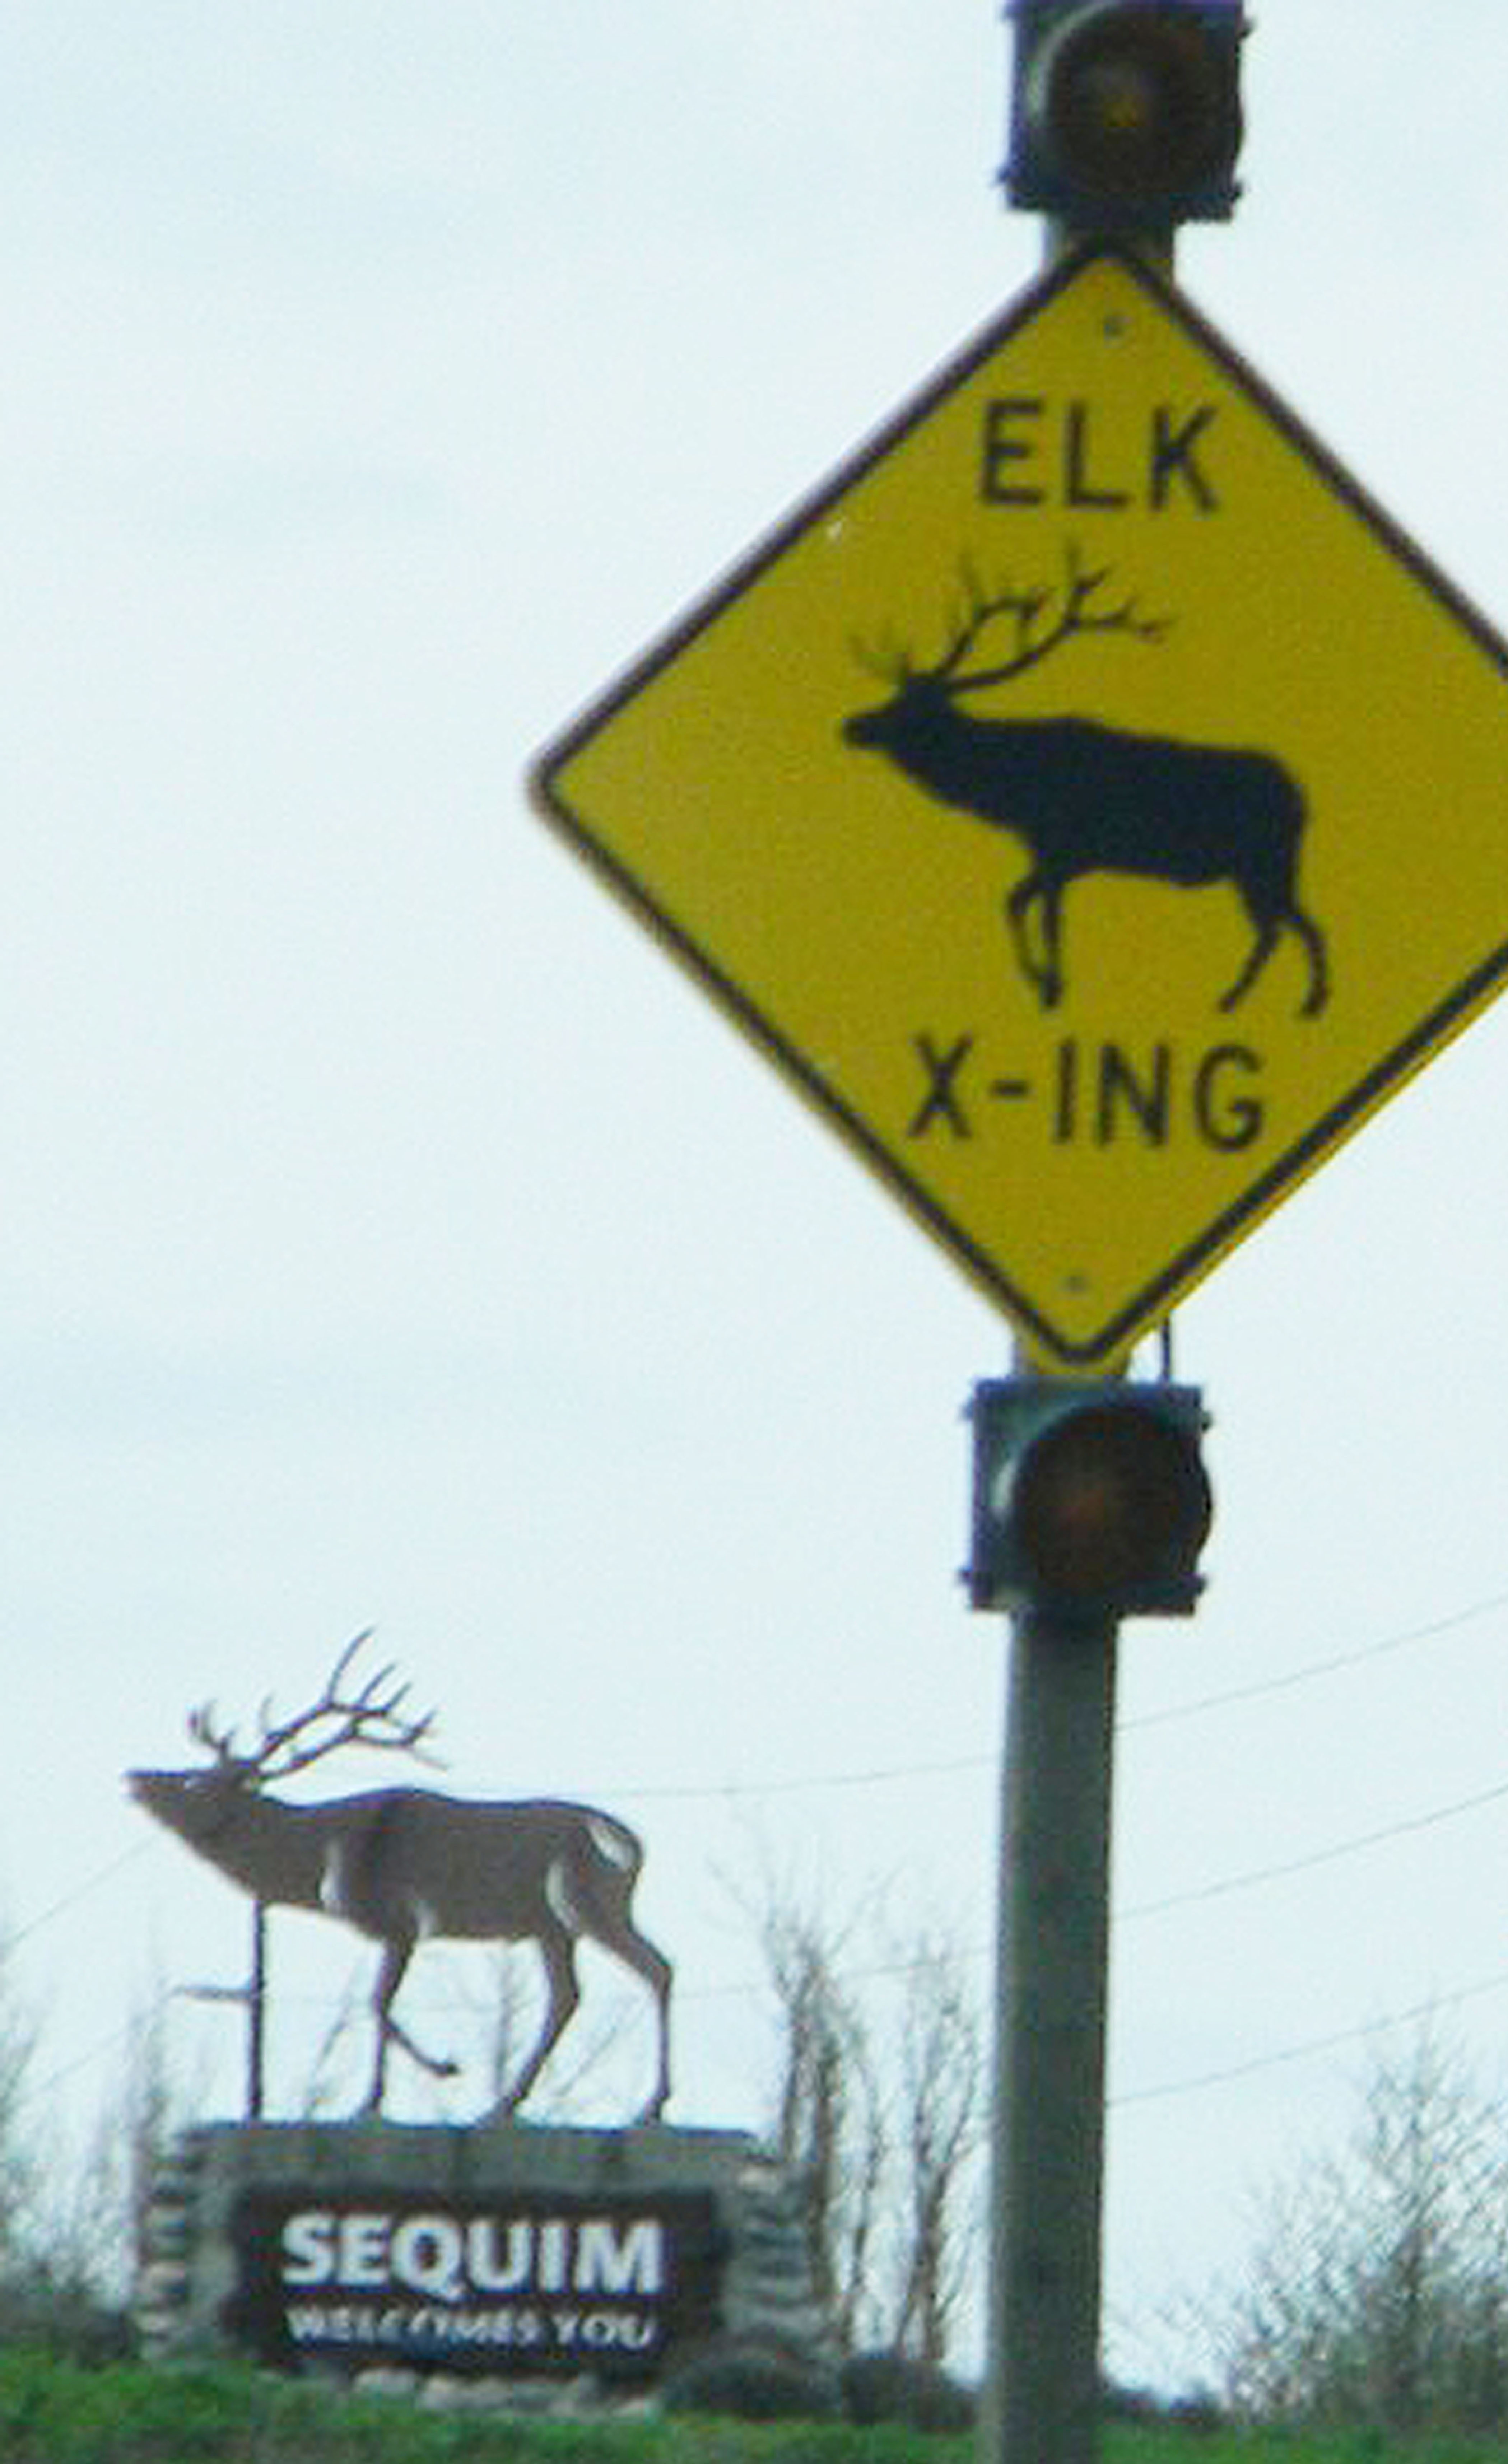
(1089, 1501)
(1127, 114)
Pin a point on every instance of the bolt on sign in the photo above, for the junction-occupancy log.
(1088, 797)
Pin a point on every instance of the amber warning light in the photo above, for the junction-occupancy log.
(1089, 1501)
(1126, 114)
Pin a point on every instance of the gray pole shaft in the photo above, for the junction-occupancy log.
(1043, 2342)
(257, 2013)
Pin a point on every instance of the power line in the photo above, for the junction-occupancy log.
(1316, 1668)
(1334, 1664)
(15, 1936)
(1312, 2045)
(1249, 1879)
(1229, 1883)
(1226, 1884)
(953, 1767)
(704, 1790)
(1326, 1856)
(1230, 2074)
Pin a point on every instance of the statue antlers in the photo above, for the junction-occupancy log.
(371, 1718)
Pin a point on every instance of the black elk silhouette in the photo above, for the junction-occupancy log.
(406, 1865)
(1087, 798)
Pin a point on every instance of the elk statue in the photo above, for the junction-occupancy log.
(408, 1865)
(1086, 798)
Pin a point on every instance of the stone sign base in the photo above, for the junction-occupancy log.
(518, 2252)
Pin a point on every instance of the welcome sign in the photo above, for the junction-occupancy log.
(535, 2284)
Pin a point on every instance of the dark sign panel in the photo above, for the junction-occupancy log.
(545, 2283)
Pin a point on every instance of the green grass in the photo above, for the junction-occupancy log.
(60, 2413)
(1175, 2446)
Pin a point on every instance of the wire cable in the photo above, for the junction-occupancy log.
(1330, 1855)
(1312, 1669)
(1312, 2045)
(1334, 1664)
(13, 1936)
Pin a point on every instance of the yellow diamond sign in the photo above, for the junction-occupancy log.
(1088, 797)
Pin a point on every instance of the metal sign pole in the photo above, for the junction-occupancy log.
(256, 2014)
(1091, 1504)
(1042, 2385)
(252, 1997)
(1052, 1968)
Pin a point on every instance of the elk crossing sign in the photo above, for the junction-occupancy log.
(1088, 797)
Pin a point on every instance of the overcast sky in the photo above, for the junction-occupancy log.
(392, 1238)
